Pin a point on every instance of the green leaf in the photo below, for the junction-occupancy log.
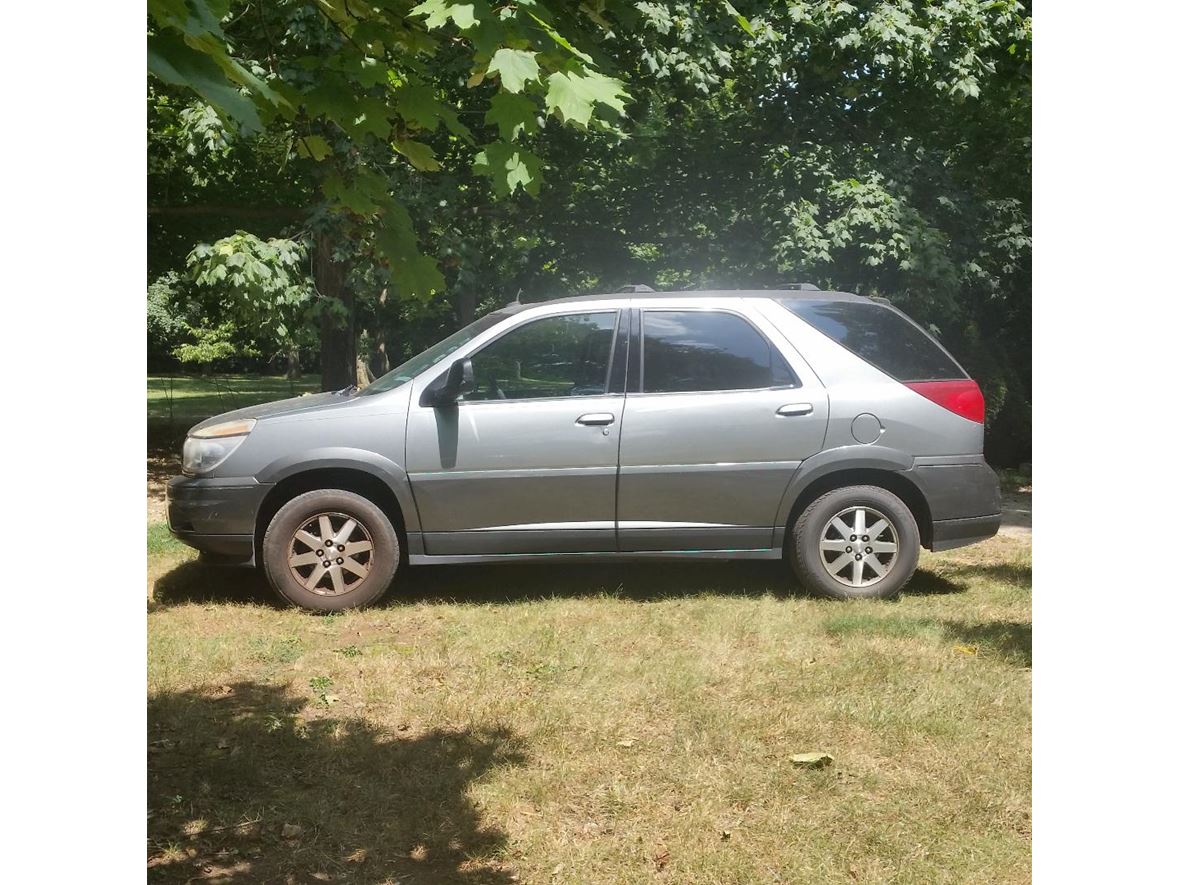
(515, 67)
(175, 62)
(421, 156)
(372, 119)
(572, 96)
(357, 196)
(439, 12)
(512, 114)
(743, 22)
(418, 106)
(416, 276)
(315, 146)
(463, 15)
(558, 39)
(509, 167)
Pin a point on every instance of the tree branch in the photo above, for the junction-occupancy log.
(198, 210)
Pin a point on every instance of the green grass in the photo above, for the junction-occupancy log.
(161, 543)
(546, 723)
(1014, 481)
(191, 398)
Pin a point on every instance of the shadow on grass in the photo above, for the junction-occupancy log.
(1012, 639)
(243, 788)
(1012, 573)
(195, 581)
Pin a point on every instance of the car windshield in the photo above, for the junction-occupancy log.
(416, 365)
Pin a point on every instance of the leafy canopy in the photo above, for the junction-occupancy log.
(355, 86)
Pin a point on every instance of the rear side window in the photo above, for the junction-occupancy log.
(879, 336)
(703, 350)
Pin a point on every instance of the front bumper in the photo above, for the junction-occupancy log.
(216, 516)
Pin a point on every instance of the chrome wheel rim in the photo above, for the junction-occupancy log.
(858, 546)
(330, 554)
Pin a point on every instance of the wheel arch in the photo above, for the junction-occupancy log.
(344, 474)
(849, 469)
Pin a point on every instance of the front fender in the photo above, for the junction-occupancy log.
(389, 472)
(872, 457)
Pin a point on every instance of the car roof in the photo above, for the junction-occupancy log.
(777, 294)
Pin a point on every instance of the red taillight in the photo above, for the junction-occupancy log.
(964, 398)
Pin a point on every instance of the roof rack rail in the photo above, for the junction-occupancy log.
(632, 288)
(801, 287)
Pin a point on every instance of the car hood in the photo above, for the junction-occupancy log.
(306, 403)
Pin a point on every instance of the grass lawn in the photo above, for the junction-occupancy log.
(634, 723)
(187, 399)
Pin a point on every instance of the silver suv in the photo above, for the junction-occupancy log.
(823, 427)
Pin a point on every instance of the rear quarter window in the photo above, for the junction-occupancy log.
(881, 337)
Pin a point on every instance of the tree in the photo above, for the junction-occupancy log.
(881, 147)
(353, 88)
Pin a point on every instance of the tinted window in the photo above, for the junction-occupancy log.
(699, 350)
(556, 356)
(880, 336)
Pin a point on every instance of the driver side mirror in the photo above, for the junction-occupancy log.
(460, 380)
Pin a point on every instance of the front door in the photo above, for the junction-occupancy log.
(716, 424)
(527, 462)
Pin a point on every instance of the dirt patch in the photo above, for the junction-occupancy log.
(1016, 511)
(162, 465)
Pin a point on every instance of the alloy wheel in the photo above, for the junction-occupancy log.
(858, 546)
(331, 554)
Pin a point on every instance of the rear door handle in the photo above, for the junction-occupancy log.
(596, 419)
(792, 409)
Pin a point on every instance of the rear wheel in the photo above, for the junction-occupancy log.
(330, 550)
(859, 542)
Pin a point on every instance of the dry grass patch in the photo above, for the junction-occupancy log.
(613, 724)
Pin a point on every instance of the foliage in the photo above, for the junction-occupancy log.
(353, 87)
(880, 147)
(211, 346)
(167, 327)
(263, 282)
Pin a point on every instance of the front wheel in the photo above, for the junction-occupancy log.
(330, 550)
(859, 542)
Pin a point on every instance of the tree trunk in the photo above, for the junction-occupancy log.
(363, 378)
(337, 339)
(465, 304)
(294, 370)
(380, 354)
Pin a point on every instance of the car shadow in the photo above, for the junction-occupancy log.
(247, 783)
(197, 582)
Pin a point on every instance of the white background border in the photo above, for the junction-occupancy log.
(1107, 349)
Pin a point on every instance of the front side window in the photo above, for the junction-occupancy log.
(565, 355)
(706, 350)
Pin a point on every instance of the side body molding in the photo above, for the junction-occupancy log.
(389, 472)
(832, 460)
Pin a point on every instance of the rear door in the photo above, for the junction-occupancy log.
(720, 412)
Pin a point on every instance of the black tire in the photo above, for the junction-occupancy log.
(808, 531)
(382, 560)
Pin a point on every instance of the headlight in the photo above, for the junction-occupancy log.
(208, 447)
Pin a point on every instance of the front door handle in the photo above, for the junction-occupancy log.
(596, 419)
(792, 409)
